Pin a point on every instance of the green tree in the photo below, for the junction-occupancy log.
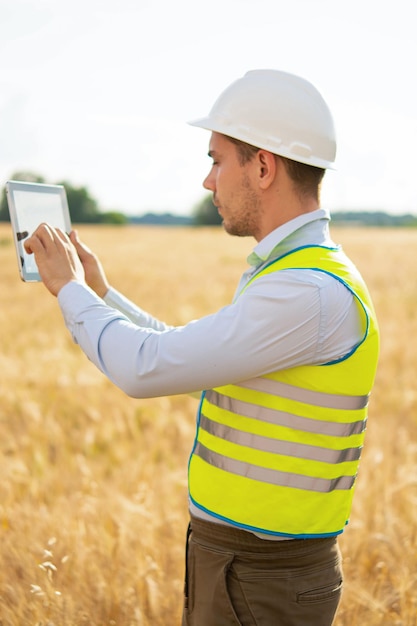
(205, 213)
(113, 217)
(82, 206)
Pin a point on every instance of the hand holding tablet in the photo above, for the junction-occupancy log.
(31, 204)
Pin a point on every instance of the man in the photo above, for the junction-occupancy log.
(287, 367)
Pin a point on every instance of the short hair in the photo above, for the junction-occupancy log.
(245, 151)
(307, 179)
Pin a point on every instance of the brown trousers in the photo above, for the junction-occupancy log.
(234, 578)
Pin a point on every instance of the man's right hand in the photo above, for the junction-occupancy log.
(94, 273)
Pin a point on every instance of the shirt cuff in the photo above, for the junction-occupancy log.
(74, 298)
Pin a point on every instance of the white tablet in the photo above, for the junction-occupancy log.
(30, 204)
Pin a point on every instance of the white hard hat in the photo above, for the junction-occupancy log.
(278, 112)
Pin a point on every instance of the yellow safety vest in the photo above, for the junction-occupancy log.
(279, 454)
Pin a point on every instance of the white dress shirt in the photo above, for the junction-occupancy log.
(284, 319)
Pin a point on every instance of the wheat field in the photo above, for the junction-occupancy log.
(93, 499)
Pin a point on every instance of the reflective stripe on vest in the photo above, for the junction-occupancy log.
(275, 477)
(278, 446)
(305, 395)
(279, 453)
(286, 419)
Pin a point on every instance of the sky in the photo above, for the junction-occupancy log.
(99, 92)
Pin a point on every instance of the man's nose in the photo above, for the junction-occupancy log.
(208, 182)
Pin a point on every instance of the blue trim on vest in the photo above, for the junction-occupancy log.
(203, 395)
(355, 295)
(333, 249)
(336, 277)
(262, 531)
(264, 267)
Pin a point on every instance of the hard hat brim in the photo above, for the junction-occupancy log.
(295, 152)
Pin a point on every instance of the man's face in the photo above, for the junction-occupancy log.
(234, 194)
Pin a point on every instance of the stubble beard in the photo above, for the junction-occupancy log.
(246, 220)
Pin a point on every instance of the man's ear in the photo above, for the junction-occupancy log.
(267, 166)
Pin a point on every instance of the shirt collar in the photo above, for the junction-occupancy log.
(284, 239)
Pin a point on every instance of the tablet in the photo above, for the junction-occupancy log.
(30, 204)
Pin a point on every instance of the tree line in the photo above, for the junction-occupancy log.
(85, 209)
(82, 206)
(373, 218)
